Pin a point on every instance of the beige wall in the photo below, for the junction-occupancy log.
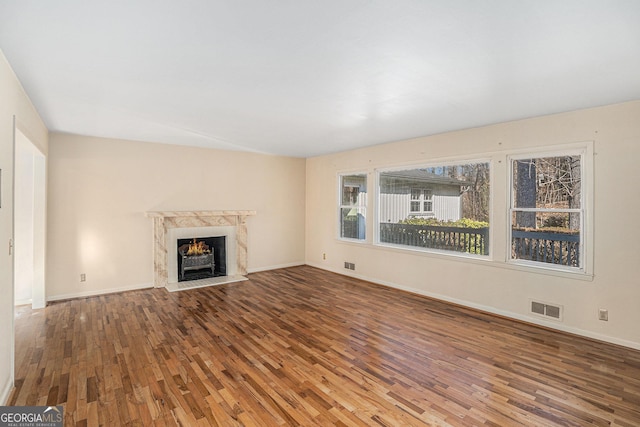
(100, 189)
(13, 103)
(494, 285)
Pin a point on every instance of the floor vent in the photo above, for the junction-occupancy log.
(547, 310)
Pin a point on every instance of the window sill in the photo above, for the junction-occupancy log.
(484, 260)
(531, 267)
(350, 240)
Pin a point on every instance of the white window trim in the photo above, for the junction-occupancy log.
(448, 161)
(421, 200)
(499, 233)
(363, 208)
(586, 152)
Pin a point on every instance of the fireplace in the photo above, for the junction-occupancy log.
(222, 243)
(201, 258)
(169, 226)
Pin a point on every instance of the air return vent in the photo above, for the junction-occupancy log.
(537, 307)
(552, 311)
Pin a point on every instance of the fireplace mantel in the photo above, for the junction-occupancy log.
(164, 220)
(173, 214)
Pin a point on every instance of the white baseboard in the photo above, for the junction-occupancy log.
(492, 310)
(6, 392)
(23, 302)
(99, 292)
(149, 285)
(275, 267)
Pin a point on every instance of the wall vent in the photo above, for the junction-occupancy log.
(349, 265)
(552, 311)
(537, 307)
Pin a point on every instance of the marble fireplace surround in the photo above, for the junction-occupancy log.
(165, 220)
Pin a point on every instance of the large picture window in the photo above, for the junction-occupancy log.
(353, 205)
(442, 207)
(547, 210)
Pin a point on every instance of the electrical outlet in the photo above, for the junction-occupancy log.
(603, 314)
(83, 277)
(324, 255)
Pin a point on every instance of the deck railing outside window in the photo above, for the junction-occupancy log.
(458, 239)
(549, 247)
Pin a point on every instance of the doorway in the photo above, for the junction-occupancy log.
(29, 223)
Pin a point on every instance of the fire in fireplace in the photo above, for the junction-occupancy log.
(201, 258)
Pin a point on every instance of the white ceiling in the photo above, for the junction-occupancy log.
(308, 77)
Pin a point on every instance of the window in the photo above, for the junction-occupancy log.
(442, 208)
(353, 202)
(421, 201)
(547, 210)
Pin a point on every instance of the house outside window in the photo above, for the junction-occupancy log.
(547, 210)
(441, 208)
(353, 205)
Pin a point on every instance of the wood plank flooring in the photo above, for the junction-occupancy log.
(304, 347)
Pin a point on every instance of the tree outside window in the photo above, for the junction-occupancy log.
(547, 212)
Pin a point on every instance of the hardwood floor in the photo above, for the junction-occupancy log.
(302, 347)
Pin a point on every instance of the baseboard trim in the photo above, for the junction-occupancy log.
(22, 302)
(275, 267)
(150, 285)
(98, 292)
(6, 392)
(492, 310)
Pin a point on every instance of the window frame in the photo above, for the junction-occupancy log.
(421, 200)
(360, 207)
(435, 163)
(585, 247)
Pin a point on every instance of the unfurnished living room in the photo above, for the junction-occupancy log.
(336, 213)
